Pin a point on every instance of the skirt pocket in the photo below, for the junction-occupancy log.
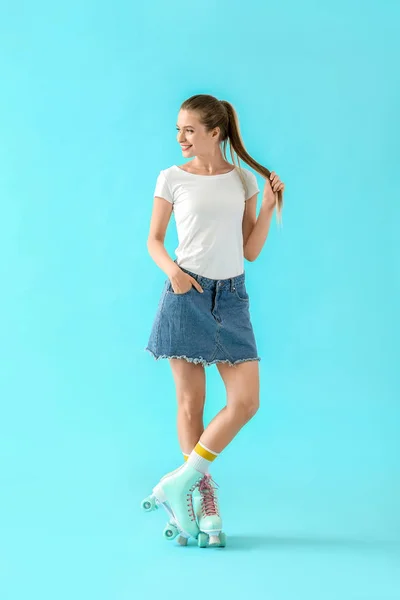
(172, 293)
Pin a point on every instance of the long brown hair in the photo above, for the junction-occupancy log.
(220, 113)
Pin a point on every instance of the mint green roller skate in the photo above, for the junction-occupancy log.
(171, 530)
(205, 503)
(174, 493)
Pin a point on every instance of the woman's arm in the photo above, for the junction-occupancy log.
(259, 233)
(162, 210)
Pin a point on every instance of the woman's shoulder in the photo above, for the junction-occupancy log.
(246, 170)
(168, 170)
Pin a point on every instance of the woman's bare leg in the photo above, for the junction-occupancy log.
(190, 384)
(242, 384)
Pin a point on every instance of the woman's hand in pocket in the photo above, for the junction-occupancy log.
(182, 282)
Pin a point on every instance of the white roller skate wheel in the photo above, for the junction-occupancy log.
(213, 540)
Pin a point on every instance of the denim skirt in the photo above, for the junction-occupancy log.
(204, 328)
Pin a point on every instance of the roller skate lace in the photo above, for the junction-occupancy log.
(189, 502)
(209, 502)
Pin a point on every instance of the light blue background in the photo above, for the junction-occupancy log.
(310, 488)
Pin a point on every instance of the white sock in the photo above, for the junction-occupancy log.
(201, 458)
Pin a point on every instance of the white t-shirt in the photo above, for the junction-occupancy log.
(208, 213)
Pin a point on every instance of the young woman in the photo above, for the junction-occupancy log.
(203, 315)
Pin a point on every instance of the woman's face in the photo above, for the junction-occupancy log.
(191, 133)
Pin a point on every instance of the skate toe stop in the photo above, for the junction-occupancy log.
(182, 540)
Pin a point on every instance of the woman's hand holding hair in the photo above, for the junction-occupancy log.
(272, 186)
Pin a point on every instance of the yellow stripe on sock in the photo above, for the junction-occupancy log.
(185, 456)
(201, 451)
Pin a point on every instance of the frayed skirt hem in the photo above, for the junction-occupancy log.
(202, 361)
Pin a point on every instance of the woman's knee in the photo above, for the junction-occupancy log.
(245, 407)
(191, 405)
(190, 383)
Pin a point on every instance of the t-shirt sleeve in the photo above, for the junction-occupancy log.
(162, 188)
(252, 186)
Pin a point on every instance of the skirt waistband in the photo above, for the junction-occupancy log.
(208, 283)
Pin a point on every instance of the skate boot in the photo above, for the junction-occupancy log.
(171, 529)
(205, 503)
(174, 493)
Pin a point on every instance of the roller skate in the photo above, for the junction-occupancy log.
(171, 530)
(205, 503)
(174, 493)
